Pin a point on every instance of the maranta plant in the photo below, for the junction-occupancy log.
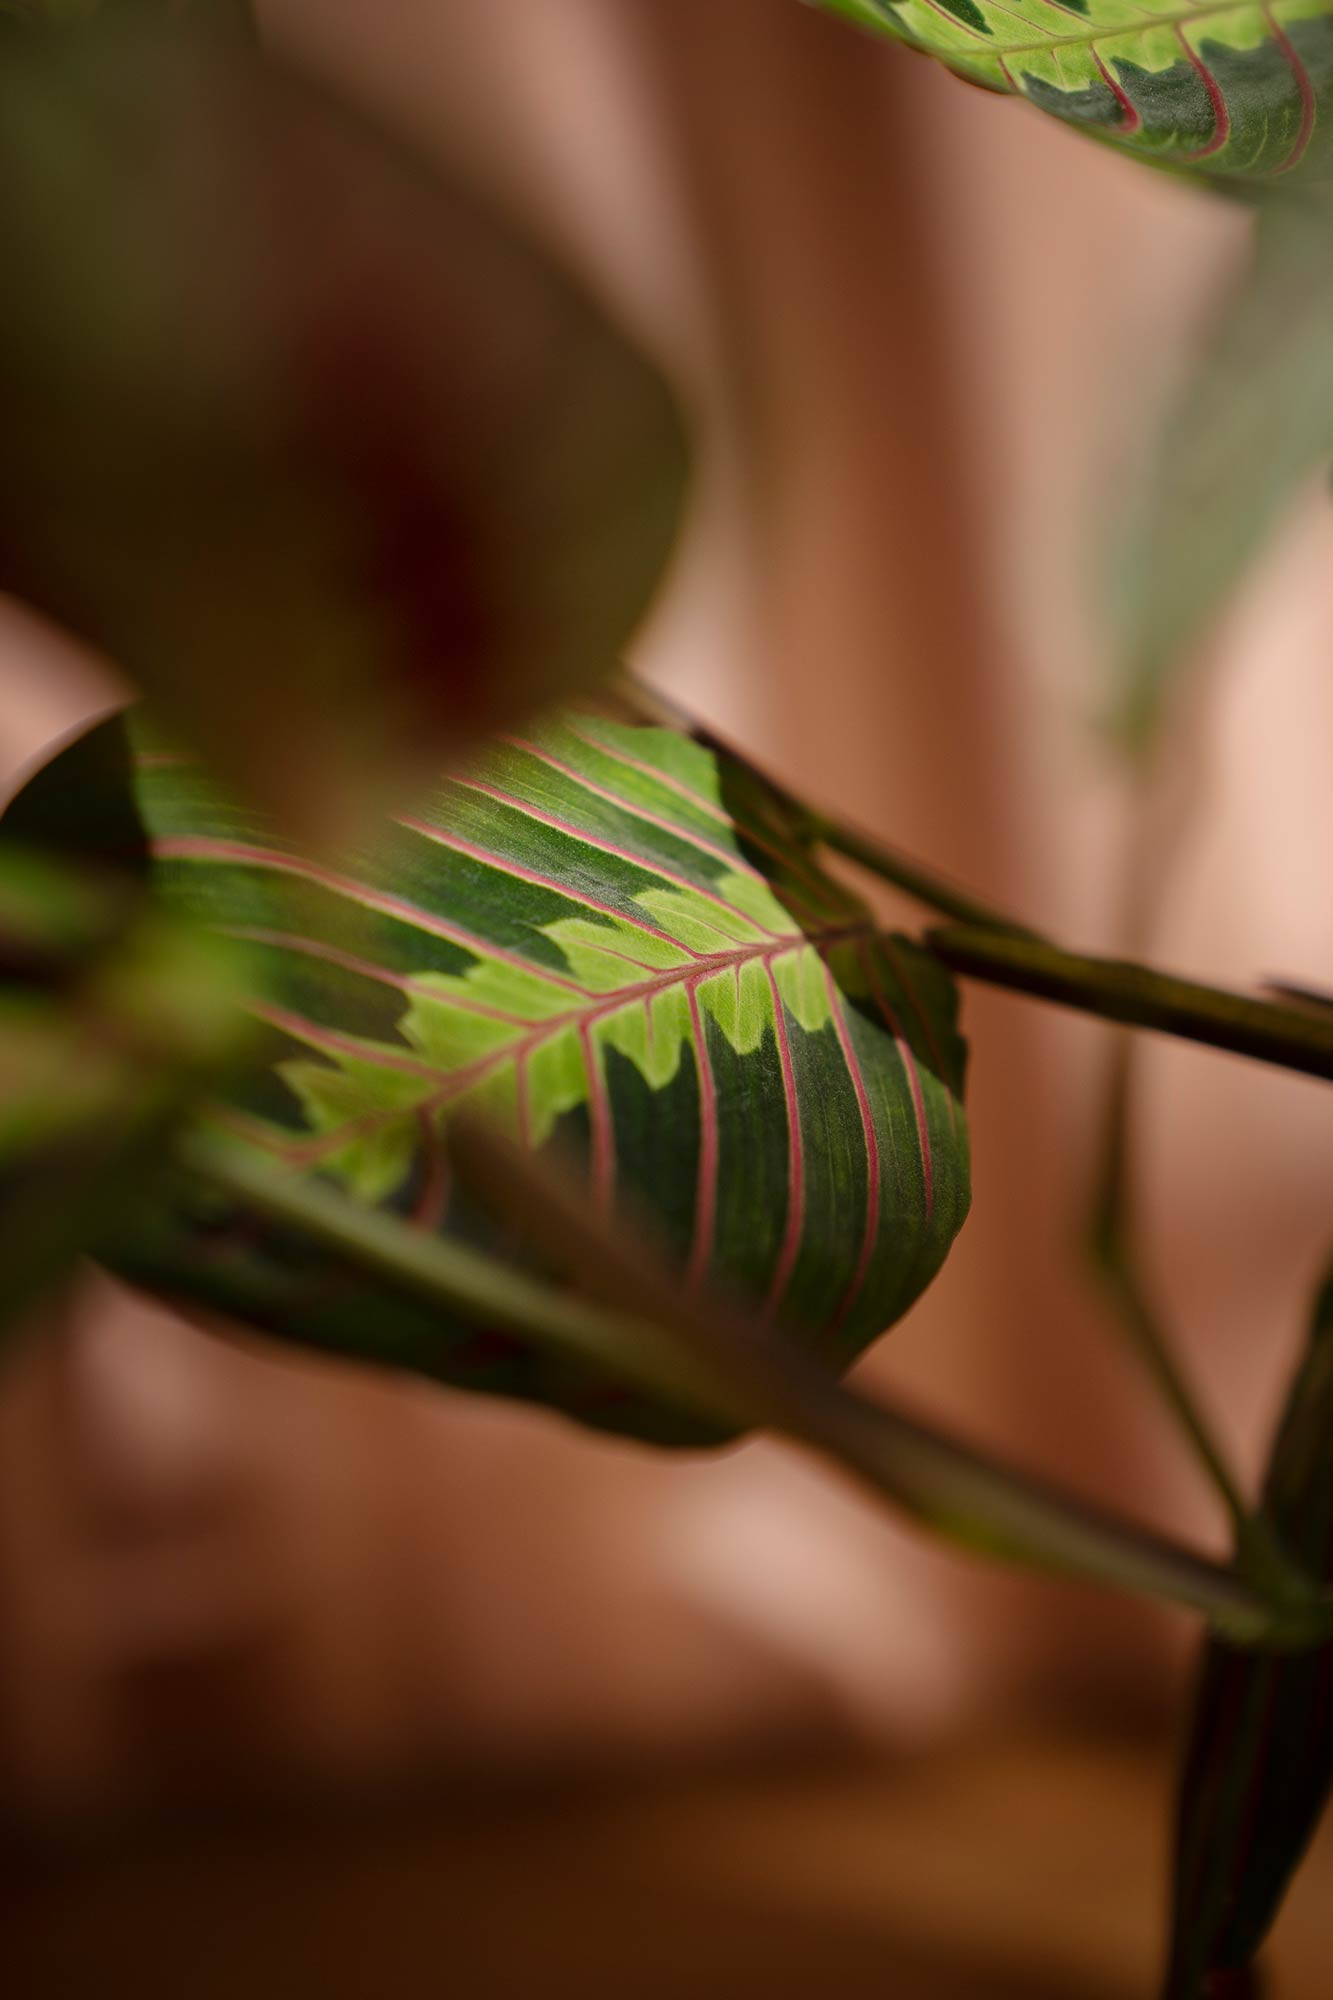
(1234, 92)
(614, 937)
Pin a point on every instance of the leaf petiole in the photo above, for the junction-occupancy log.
(1259, 1551)
(987, 944)
(913, 877)
(694, 1352)
(1292, 1038)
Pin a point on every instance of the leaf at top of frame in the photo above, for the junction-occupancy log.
(1237, 93)
(612, 937)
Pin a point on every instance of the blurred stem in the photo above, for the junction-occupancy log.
(983, 1505)
(992, 945)
(457, 1279)
(1119, 990)
(912, 877)
(1161, 805)
(1114, 1245)
(694, 1352)
(988, 944)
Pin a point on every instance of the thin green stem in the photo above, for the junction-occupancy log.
(947, 1486)
(989, 944)
(1115, 990)
(922, 883)
(914, 878)
(994, 1510)
(695, 1354)
(1259, 1552)
(992, 945)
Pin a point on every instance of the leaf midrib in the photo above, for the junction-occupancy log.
(456, 1083)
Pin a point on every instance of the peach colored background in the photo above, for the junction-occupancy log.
(922, 331)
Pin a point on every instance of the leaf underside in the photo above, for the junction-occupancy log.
(1237, 92)
(612, 938)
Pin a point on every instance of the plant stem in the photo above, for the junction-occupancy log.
(913, 877)
(459, 1280)
(695, 1354)
(1115, 990)
(993, 1510)
(986, 943)
(975, 1501)
(1130, 993)
(990, 944)
(1259, 1552)
(932, 890)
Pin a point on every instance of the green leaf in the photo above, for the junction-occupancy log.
(114, 1017)
(1260, 1760)
(612, 938)
(304, 435)
(1239, 92)
(1255, 421)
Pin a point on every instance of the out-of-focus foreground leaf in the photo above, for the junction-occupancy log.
(114, 1016)
(302, 434)
(1260, 1761)
(1253, 422)
(612, 938)
(1235, 92)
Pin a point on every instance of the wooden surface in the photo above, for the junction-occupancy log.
(1025, 1871)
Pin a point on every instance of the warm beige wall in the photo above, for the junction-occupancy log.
(917, 324)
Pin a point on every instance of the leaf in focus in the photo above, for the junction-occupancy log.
(114, 1017)
(300, 432)
(1236, 93)
(613, 939)
(1254, 422)
(1260, 1761)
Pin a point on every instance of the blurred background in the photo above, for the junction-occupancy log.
(921, 332)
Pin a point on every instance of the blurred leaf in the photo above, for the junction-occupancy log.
(316, 447)
(1253, 423)
(77, 14)
(614, 939)
(1237, 93)
(114, 1016)
(1260, 1761)
(78, 801)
